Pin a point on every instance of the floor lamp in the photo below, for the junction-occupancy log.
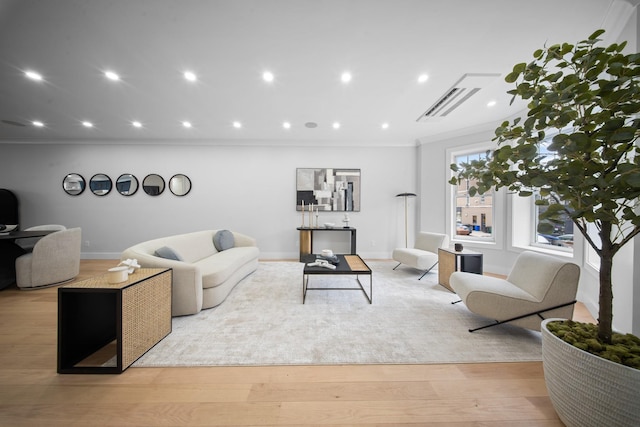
(406, 235)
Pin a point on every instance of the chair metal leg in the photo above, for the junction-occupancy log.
(539, 313)
(430, 268)
(397, 265)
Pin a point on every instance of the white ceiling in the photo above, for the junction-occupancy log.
(385, 44)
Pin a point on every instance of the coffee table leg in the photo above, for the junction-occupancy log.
(370, 296)
(305, 280)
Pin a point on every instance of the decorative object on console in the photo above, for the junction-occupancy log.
(346, 220)
(131, 264)
(100, 184)
(458, 247)
(73, 184)
(328, 189)
(117, 274)
(406, 231)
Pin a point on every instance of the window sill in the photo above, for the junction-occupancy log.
(548, 251)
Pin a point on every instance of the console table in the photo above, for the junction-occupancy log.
(306, 238)
(104, 328)
(450, 260)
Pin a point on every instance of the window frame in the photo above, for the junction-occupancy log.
(498, 204)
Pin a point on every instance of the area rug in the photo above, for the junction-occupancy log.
(411, 321)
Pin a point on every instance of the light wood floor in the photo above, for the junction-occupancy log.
(33, 394)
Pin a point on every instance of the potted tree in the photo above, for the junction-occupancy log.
(590, 97)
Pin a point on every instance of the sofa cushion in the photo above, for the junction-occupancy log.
(223, 240)
(168, 253)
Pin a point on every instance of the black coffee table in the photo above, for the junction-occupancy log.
(349, 265)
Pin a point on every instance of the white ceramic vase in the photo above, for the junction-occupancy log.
(587, 390)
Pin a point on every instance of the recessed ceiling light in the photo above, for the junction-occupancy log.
(237, 125)
(190, 76)
(136, 124)
(423, 78)
(111, 76)
(336, 125)
(345, 77)
(87, 124)
(37, 123)
(186, 124)
(267, 76)
(491, 103)
(33, 75)
(385, 126)
(286, 125)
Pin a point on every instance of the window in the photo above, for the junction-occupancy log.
(560, 235)
(473, 216)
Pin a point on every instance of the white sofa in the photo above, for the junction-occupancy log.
(205, 275)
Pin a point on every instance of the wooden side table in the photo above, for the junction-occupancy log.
(104, 328)
(469, 262)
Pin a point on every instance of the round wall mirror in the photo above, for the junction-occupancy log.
(180, 184)
(127, 184)
(100, 184)
(153, 184)
(73, 184)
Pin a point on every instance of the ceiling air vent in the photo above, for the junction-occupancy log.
(460, 92)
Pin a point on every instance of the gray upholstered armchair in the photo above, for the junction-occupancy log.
(539, 286)
(55, 259)
(424, 254)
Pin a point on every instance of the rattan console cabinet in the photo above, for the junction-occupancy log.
(104, 328)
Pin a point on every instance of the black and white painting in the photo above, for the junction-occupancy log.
(328, 189)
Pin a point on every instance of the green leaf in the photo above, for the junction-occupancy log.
(633, 179)
(545, 228)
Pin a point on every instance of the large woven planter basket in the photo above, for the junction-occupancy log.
(587, 390)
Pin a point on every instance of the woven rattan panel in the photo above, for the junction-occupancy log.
(146, 316)
(356, 263)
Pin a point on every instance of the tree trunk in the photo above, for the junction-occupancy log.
(605, 313)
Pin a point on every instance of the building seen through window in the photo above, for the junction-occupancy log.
(473, 215)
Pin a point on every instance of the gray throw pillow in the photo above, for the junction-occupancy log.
(168, 253)
(223, 240)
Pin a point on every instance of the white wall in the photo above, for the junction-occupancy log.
(250, 189)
